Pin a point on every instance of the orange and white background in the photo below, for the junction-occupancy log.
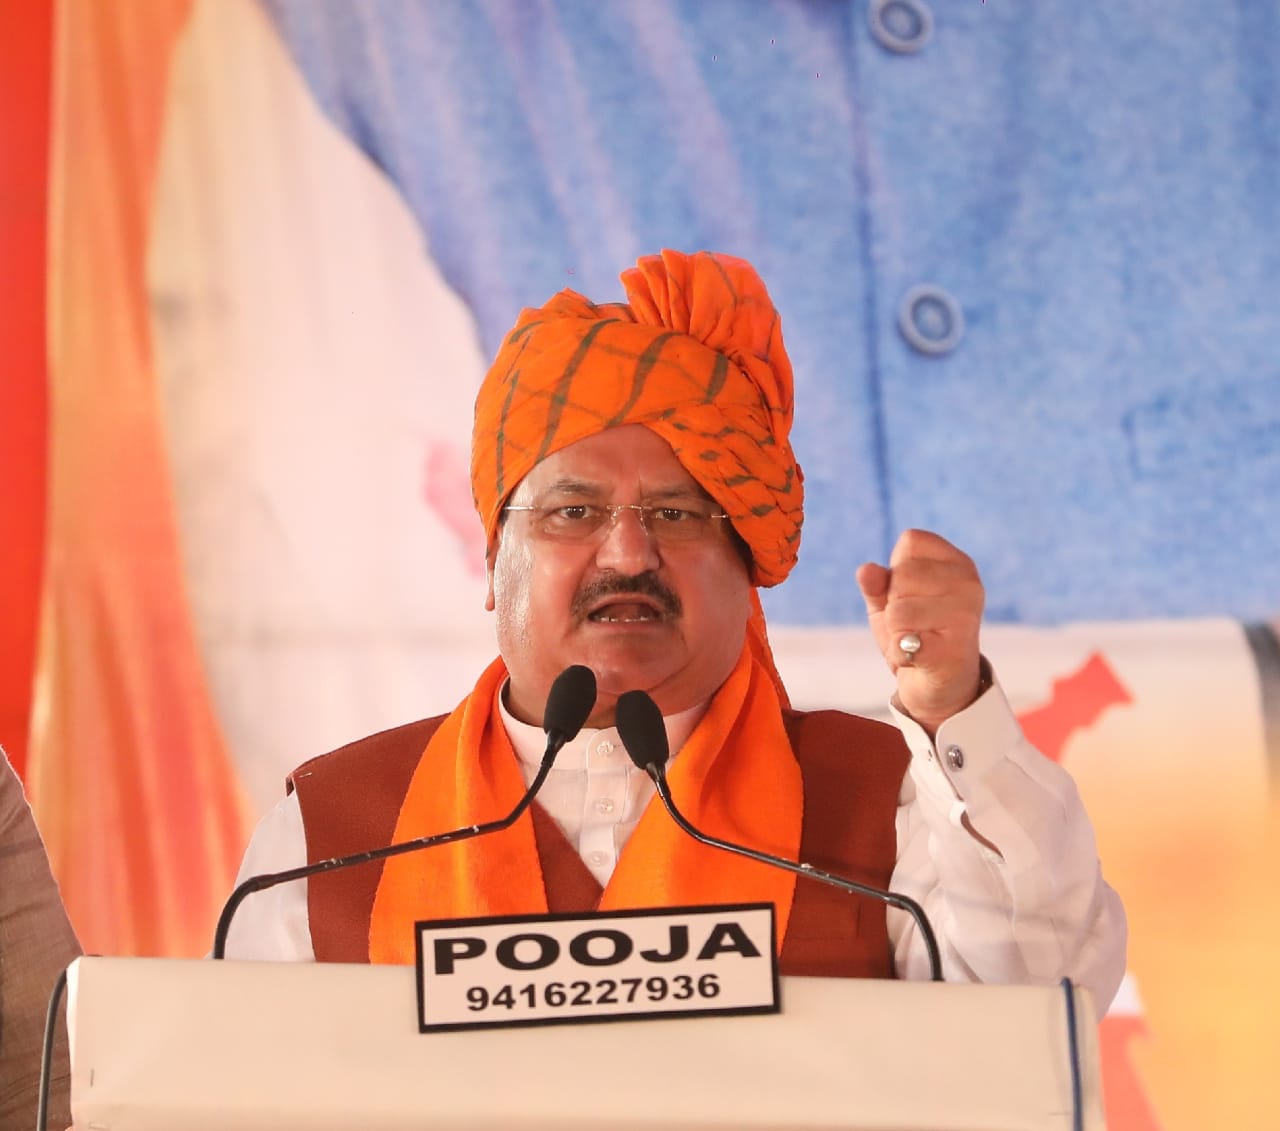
(234, 412)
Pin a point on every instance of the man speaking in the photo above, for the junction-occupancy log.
(632, 469)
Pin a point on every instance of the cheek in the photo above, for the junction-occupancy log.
(528, 591)
(512, 573)
(734, 606)
(720, 597)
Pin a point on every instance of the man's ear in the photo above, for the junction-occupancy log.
(489, 557)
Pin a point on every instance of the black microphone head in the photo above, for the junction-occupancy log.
(642, 730)
(569, 703)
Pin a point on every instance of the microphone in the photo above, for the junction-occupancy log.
(569, 704)
(643, 733)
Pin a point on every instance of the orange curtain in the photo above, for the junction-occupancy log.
(26, 28)
(136, 796)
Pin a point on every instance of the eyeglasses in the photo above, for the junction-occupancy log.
(670, 523)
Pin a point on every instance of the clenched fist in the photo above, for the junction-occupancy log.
(932, 590)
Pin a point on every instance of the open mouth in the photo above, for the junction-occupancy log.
(641, 599)
(626, 612)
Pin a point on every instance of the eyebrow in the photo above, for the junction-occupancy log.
(569, 486)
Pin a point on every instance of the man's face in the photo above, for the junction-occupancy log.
(643, 611)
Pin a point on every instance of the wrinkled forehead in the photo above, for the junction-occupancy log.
(629, 459)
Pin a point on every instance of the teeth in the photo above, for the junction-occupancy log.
(608, 618)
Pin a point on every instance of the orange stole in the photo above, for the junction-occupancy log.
(736, 778)
(852, 770)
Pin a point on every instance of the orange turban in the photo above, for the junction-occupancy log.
(695, 355)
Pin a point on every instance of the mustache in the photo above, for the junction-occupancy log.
(647, 584)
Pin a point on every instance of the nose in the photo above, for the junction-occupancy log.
(627, 546)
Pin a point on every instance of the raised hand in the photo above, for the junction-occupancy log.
(931, 593)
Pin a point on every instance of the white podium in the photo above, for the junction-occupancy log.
(175, 1045)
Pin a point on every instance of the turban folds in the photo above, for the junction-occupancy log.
(695, 355)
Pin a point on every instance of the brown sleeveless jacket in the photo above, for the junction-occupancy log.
(852, 770)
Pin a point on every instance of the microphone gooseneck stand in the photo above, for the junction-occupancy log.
(573, 694)
(644, 734)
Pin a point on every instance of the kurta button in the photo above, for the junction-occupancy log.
(605, 748)
(930, 319)
(903, 26)
(599, 859)
(604, 805)
(955, 757)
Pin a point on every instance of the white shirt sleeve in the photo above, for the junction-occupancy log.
(1034, 911)
(273, 925)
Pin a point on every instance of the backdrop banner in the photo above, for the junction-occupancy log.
(1024, 262)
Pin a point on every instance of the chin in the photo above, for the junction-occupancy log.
(613, 680)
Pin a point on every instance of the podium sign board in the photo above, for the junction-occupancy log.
(197, 1045)
(560, 969)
